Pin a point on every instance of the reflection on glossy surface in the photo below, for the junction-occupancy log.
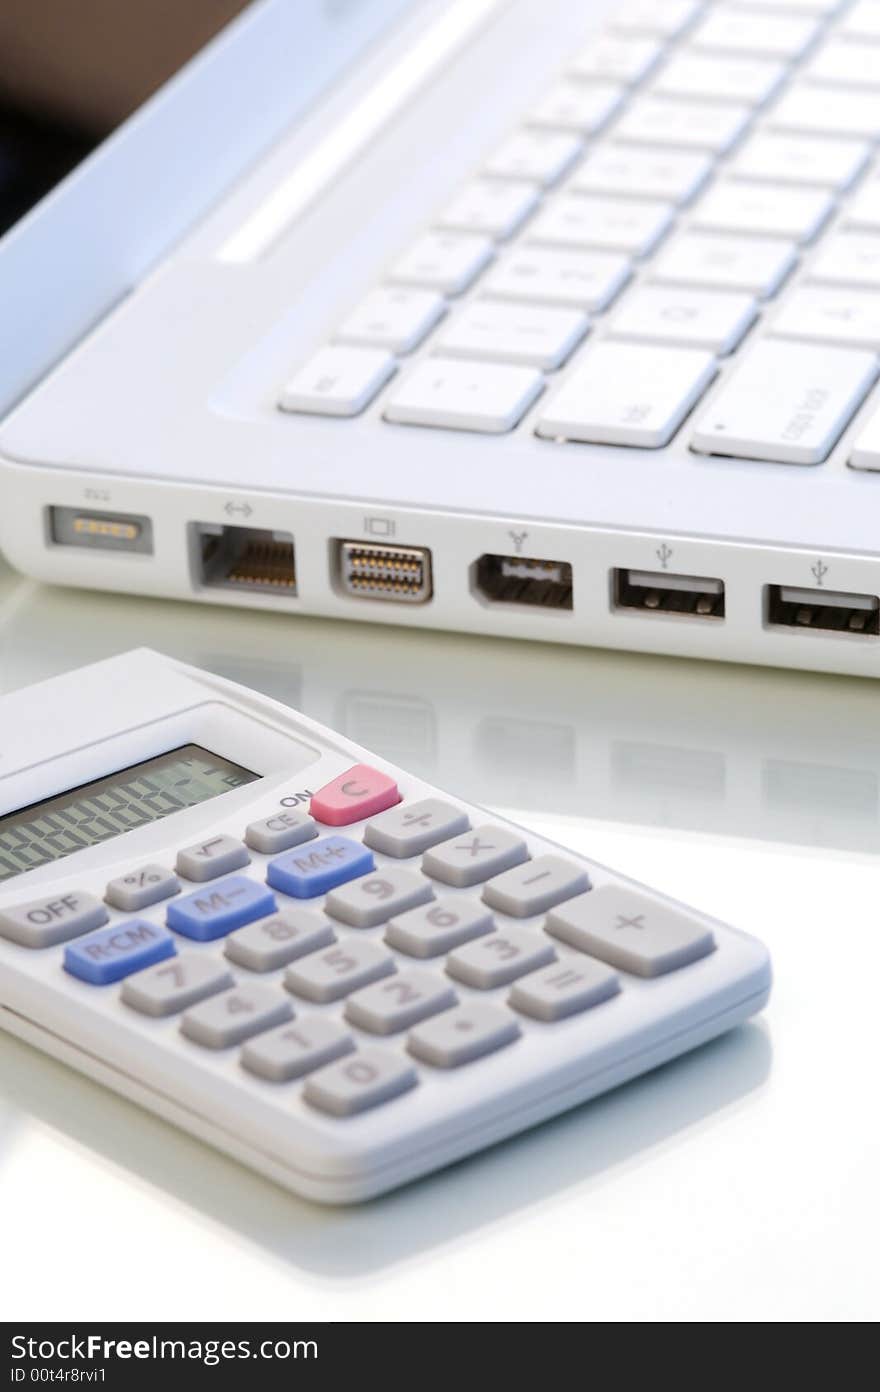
(735, 1184)
(781, 756)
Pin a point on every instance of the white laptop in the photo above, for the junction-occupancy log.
(523, 317)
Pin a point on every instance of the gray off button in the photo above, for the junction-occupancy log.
(57, 919)
(631, 931)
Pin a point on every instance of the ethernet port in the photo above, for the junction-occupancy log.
(523, 580)
(243, 558)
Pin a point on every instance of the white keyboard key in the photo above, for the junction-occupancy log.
(665, 17)
(693, 125)
(744, 31)
(763, 209)
(621, 57)
(712, 319)
(794, 159)
(821, 8)
(755, 264)
(844, 63)
(495, 207)
(787, 403)
(588, 280)
(541, 156)
(580, 107)
(866, 449)
(625, 394)
(847, 258)
(864, 211)
(445, 261)
(455, 395)
(718, 78)
(338, 381)
(532, 334)
(673, 175)
(818, 313)
(862, 21)
(633, 225)
(830, 111)
(393, 317)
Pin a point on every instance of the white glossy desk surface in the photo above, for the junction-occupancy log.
(737, 1184)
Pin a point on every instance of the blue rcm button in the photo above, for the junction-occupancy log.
(318, 866)
(115, 952)
(219, 907)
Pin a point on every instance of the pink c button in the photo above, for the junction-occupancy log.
(360, 792)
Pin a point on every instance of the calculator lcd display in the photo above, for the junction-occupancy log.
(111, 806)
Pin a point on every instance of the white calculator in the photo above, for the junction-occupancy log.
(305, 956)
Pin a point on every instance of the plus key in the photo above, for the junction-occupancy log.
(359, 792)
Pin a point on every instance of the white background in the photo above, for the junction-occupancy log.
(736, 1184)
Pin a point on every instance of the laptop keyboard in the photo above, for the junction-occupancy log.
(697, 194)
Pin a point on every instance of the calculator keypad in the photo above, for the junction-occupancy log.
(280, 831)
(499, 958)
(115, 952)
(177, 984)
(316, 912)
(319, 867)
(413, 827)
(459, 1036)
(359, 792)
(631, 931)
(275, 942)
(474, 857)
(403, 1000)
(233, 1016)
(536, 886)
(374, 898)
(436, 928)
(212, 858)
(295, 1049)
(565, 988)
(330, 975)
(147, 885)
(214, 911)
(353, 1084)
(56, 919)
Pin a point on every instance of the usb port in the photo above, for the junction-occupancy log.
(655, 592)
(100, 531)
(382, 571)
(787, 606)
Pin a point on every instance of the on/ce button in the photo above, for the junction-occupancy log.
(359, 792)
